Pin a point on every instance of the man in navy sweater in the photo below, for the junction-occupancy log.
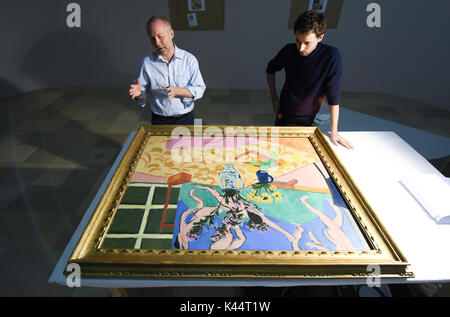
(313, 70)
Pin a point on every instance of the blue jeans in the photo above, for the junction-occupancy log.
(186, 119)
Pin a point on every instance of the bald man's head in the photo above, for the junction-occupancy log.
(157, 20)
(161, 34)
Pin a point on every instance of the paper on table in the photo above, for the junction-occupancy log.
(432, 192)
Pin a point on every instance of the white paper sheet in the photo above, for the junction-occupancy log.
(192, 19)
(432, 192)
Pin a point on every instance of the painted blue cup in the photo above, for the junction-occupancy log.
(264, 177)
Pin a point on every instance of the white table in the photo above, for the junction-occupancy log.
(380, 161)
(429, 145)
(377, 164)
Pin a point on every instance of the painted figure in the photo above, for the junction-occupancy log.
(237, 209)
(333, 230)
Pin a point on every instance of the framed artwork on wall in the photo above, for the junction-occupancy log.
(197, 15)
(319, 6)
(331, 10)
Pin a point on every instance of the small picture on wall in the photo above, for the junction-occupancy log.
(192, 19)
(319, 6)
(196, 5)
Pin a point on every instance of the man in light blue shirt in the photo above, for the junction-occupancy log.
(169, 78)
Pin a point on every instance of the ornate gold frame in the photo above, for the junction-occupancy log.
(95, 261)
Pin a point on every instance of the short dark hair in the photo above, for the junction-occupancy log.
(311, 21)
(160, 18)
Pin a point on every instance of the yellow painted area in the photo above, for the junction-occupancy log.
(205, 164)
(297, 158)
(252, 169)
(313, 189)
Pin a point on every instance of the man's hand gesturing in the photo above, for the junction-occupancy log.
(135, 90)
(172, 92)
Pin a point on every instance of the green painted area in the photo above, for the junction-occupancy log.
(174, 194)
(135, 196)
(167, 230)
(126, 221)
(156, 244)
(208, 199)
(290, 209)
(126, 243)
(154, 220)
(269, 163)
(160, 195)
(265, 165)
(170, 216)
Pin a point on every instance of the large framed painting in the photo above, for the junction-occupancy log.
(262, 202)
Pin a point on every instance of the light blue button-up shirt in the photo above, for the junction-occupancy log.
(182, 71)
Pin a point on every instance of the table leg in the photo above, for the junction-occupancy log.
(118, 292)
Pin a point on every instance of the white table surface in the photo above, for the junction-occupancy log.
(379, 161)
(429, 145)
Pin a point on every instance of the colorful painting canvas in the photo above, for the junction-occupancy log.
(233, 193)
(234, 202)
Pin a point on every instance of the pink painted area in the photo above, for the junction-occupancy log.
(209, 142)
(144, 178)
(307, 176)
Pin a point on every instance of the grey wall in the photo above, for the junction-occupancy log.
(407, 56)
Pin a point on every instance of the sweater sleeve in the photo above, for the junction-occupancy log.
(333, 79)
(278, 62)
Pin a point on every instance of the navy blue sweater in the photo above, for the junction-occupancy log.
(307, 79)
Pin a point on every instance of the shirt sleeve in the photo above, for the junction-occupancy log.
(144, 80)
(196, 85)
(333, 80)
(277, 63)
